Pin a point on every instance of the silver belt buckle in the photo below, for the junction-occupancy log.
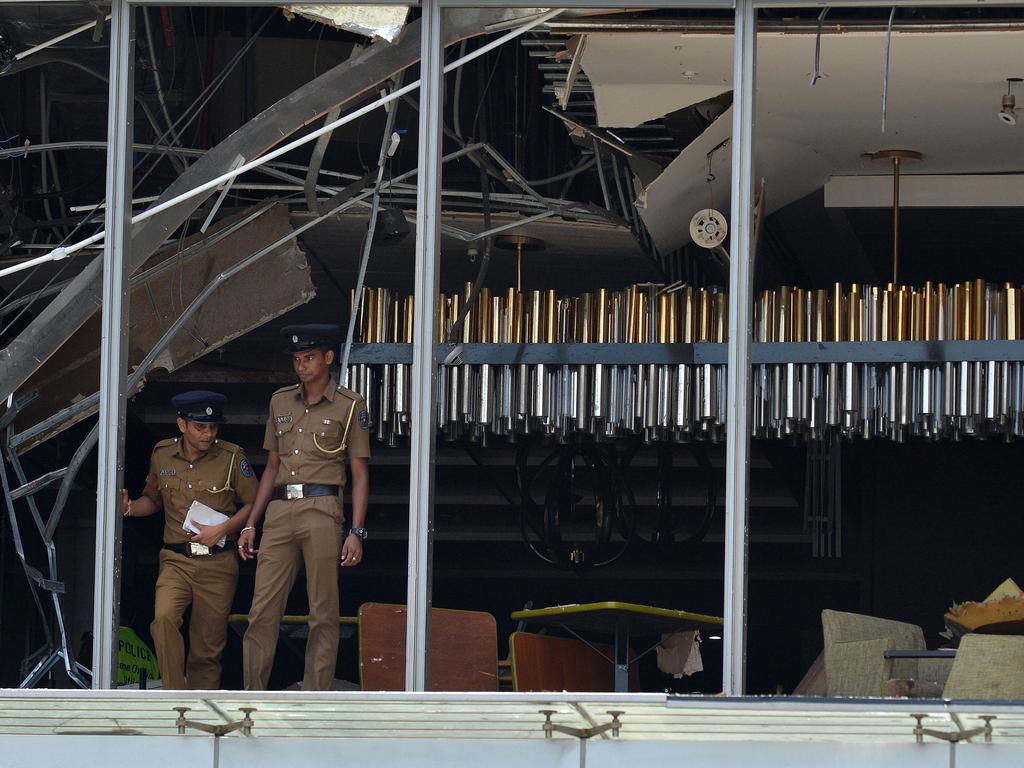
(293, 491)
(198, 549)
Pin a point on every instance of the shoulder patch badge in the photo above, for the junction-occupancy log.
(168, 472)
(245, 468)
(283, 419)
(364, 420)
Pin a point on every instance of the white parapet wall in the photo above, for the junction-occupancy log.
(99, 729)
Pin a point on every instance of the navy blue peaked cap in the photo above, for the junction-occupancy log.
(299, 338)
(200, 406)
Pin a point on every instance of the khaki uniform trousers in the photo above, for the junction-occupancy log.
(208, 585)
(300, 530)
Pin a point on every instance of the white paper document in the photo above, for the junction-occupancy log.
(204, 515)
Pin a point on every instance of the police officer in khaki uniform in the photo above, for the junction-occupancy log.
(197, 569)
(312, 427)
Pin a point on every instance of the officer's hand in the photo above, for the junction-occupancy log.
(351, 550)
(247, 545)
(210, 535)
(126, 503)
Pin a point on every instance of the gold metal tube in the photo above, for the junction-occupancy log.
(980, 321)
(704, 332)
(837, 312)
(472, 318)
(942, 318)
(482, 330)
(784, 315)
(1012, 303)
(819, 314)
(854, 313)
(958, 312)
(687, 309)
(886, 325)
(673, 317)
(902, 313)
(551, 317)
(601, 312)
(536, 317)
(916, 316)
(721, 317)
(929, 319)
(967, 333)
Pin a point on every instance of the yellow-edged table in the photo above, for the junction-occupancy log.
(622, 621)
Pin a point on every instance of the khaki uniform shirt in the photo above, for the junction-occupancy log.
(220, 478)
(313, 440)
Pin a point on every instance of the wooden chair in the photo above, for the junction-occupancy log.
(463, 649)
(987, 667)
(545, 663)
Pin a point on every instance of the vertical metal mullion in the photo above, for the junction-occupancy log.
(424, 367)
(114, 344)
(738, 396)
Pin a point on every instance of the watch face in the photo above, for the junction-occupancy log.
(360, 532)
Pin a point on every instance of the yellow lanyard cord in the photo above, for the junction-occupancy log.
(344, 436)
(227, 482)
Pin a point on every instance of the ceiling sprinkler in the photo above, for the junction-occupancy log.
(1008, 111)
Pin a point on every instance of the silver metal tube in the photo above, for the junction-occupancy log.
(424, 367)
(906, 391)
(467, 392)
(486, 393)
(114, 347)
(540, 391)
(963, 390)
(684, 397)
(926, 405)
(666, 389)
(737, 452)
(600, 403)
(992, 377)
(522, 392)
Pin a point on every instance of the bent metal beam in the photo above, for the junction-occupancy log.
(338, 87)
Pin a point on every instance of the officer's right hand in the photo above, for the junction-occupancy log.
(126, 503)
(247, 545)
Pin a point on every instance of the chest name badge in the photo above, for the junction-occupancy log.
(283, 419)
(168, 472)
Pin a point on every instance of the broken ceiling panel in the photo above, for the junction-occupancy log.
(384, 21)
(273, 285)
(940, 104)
(653, 83)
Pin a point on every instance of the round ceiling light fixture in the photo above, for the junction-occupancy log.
(708, 228)
(1008, 110)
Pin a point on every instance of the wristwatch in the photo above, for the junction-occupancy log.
(360, 532)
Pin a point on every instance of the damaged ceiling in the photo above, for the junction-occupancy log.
(942, 105)
(160, 293)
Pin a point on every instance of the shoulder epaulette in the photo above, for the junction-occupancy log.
(351, 394)
(227, 445)
(289, 388)
(168, 443)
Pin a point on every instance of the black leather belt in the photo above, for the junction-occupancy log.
(195, 549)
(304, 491)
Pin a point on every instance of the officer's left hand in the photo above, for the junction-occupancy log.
(210, 535)
(351, 550)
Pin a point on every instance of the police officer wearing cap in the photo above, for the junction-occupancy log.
(196, 570)
(313, 426)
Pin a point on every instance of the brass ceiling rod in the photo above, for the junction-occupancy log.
(897, 156)
(519, 243)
